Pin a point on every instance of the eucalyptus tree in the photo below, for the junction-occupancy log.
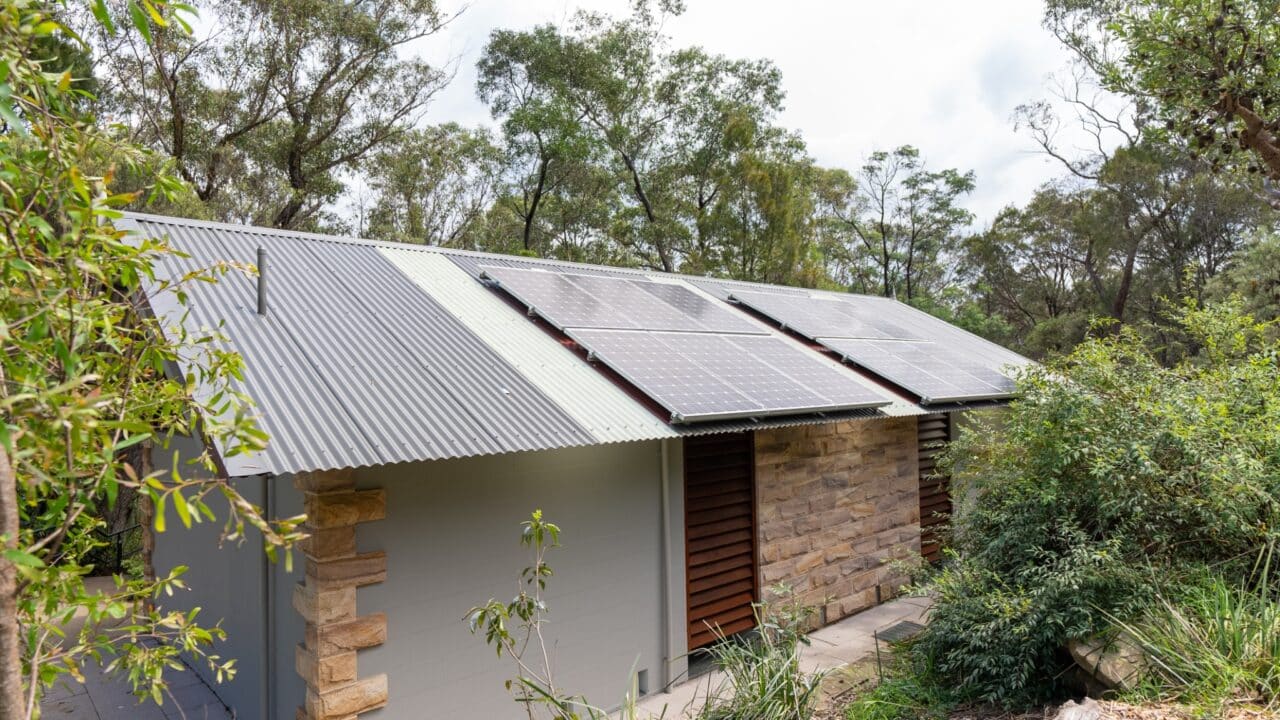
(548, 153)
(433, 186)
(1204, 70)
(610, 92)
(264, 109)
(903, 221)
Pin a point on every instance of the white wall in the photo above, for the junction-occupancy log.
(452, 539)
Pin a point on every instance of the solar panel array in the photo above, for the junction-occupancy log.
(569, 300)
(921, 354)
(696, 359)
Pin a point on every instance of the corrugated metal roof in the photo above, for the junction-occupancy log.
(603, 408)
(375, 353)
(353, 364)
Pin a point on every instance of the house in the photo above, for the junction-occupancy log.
(698, 440)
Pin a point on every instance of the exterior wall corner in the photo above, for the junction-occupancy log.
(326, 598)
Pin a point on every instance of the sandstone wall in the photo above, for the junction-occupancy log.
(837, 504)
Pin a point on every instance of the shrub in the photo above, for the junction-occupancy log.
(1111, 476)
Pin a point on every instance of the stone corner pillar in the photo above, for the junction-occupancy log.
(326, 598)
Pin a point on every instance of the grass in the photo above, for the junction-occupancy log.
(1216, 644)
(763, 679)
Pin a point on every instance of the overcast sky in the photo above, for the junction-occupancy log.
(859, 76)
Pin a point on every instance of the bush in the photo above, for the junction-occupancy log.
(1111, 477)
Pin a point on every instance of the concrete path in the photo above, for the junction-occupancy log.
(844, 642)
(107, 697)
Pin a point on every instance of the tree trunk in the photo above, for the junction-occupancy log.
(12, 704)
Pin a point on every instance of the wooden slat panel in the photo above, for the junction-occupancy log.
(721, 500)
(706, 637)
(698, 600)
(935, 490)
(694, 547)
(720, 522)
(720, 553)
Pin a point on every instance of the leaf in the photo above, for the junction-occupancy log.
(139, 19)
(129, 442)
(19, 557)
(184, 512)
(103, 16)
(160, 506)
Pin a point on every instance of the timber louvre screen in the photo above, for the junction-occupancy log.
(720, 535)
(935, 490)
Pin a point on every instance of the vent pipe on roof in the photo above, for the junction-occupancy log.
(262, 281)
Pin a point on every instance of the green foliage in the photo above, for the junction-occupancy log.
(85, 382)
(763, 679)
(1254, 276)
(1205, 70)
(1112, 473)
(1215, 642)
(906, 692)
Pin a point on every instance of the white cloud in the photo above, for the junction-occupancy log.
(859, 76)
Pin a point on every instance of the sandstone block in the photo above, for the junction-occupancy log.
(362, 632)
(325, 481)
(321, 606)
(339, 509)
(347, 700)
(363, 569)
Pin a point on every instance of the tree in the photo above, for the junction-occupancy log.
(433, 186)
(548, 154)
(83, 381)
(1206, 69)
(264, 111)
(905, 218)
(610, 93)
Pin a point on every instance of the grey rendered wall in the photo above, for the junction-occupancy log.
(452, 540)
(286, 689)
(226, 583)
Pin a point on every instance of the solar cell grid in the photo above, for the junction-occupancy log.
(703, 376)
(818, 317)
(934, 372)
(569, 300)
(671, 379)
(554, 297)
(709, 315)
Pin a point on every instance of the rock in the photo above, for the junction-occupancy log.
(1116, 662)
(1086, 710)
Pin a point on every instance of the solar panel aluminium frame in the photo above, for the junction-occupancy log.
(693, 418)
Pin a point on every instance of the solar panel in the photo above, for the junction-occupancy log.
(569, 300)
(937, 373)
(911, 349)
(703, 376)
(816, 317)
(559, 300)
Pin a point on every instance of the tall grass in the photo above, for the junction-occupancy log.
(1216, 643)
(762, 675)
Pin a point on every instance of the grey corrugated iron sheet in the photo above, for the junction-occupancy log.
(353, 365)
(376, 353)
